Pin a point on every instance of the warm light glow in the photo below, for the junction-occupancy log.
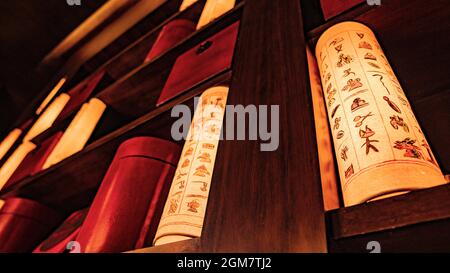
(49, 116)
(78, 132)
(379, 146)
(324, 146)
(186, 4)
(9, 141)
(2, 202)
(10, 166)
(51, 95)
(185, 207)
(214, 9)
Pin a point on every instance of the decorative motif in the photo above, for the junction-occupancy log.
(348, 72)
(370, 56)
(205, 158)
(349, 172)
(338, 48)
(365, 45)
(411, 150)
(357, 104)
(185, 163)
(381, 80)
(201, 171)
(336, 41)
(352, 84)
(340, 134)
(360, 35)
(367, 134)
(343, 60)
(397, 121)
(193, 205)
(336, 123)
(372, 64)
(334, 111)
(392, 105)
(344, 153)
(360, 119)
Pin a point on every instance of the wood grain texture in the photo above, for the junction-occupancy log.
(269, 201)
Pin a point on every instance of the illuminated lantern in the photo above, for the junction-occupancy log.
(13, 162)
(186, 4)
(127, 203)
(380, 149)
(78, 132)
(9, 141)
(35, 159)
(24, 224)
(48, 117)
(214, 9)
(170, 35)
(66, 232)
(205, 60)
(185, 207)
(51, 95)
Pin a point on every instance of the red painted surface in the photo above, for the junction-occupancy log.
(66, 232)
(24, 224)
(34, 161)
(170, 35)
(200, 63)
(132, 193)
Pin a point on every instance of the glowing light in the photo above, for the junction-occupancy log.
(9, 141)
(214, 9)
(186, 4)
(10, 166)
(78, 132)
(51, 95)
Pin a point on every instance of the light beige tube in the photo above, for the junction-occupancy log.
(186, 4)
(214, 9)
(379, 146)
(78, 132)
(13, 162)
(185, 207)
(9, 141)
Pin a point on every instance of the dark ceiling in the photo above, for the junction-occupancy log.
(29, 29)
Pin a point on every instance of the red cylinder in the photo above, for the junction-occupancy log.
(139, 177)
(24, 224)
(66, 232)
(170, 35)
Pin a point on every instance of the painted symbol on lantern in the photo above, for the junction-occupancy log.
(180, 175)
(343, 60)
(331, 101)
(381, 80)
(338, 48)
(336, 123)
(365, 45)
(367, 134)
(204, 157)
(340, 134)
(334, 111)
(193, 205)
(372, 64)
(185, 163)
(348, 72)
(201, 171)
(392, 105)
(352, 84)
(402, 100)
(189, 151)
(430, 154)
(349, 172)
(204, 187)
(208, 146)
(173, 206)
(332, 93)
(344, 153)
(357, 104)
(397, 121)
(182, 184)
(328, 77)
(329, 88)
(370, 56)
(360, 119)
(336, 41)
(360, 35)
(411, 150)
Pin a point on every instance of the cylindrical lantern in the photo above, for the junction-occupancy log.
(130, 195)
(24, 224)
(214, 9)
(186, 4)
(65, 233)
(170, 35)
(379, 146)
(14, 161)
(9, 141)
(185, 207)
(78, 132)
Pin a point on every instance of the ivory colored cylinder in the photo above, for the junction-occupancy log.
(49, 116)
(185, 207)
(379, 146)
(9, 141)
(214, 9)
(13, 162)
(186, 4)
(78, 132)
